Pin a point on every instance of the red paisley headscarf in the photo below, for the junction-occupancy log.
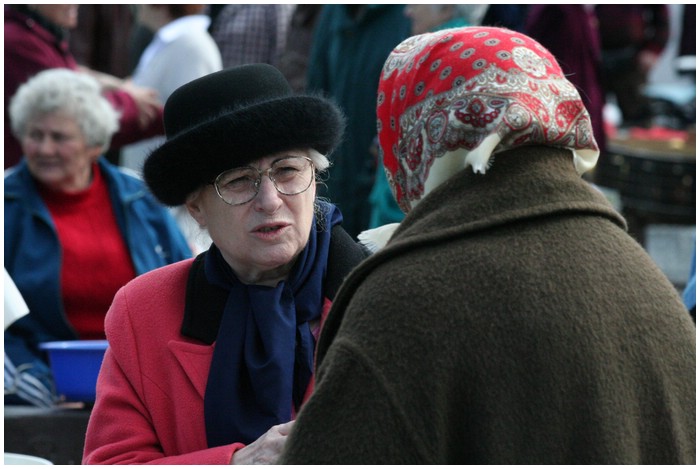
(452, 99)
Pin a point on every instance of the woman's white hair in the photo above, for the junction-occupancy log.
(73, 94)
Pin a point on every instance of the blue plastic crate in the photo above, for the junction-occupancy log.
(75, 365)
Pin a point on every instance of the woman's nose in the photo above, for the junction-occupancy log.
(44, 144)
(268, 198)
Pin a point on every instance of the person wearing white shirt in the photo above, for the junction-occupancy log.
(181, 50)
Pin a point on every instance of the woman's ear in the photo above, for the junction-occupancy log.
(194, 207)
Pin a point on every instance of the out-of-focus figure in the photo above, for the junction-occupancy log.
(632, 37)
(77, 228)
(36, 40)
(350, 45)
(182, 50)
(250, 33)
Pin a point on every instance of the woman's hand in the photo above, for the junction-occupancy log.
(266, 449)
(146, 100)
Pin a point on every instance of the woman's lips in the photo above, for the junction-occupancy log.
(269, 230)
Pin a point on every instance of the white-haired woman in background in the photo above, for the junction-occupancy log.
(76, 227)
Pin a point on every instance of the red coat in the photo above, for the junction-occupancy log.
(150, 392)
(29, 49)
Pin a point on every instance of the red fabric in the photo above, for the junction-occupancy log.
(150, 392)
(30, 49)
(95, 257)
(657, 133)
(481, 89)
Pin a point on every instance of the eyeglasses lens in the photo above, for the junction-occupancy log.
(290, 176)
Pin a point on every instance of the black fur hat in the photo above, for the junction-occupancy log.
(230, 118)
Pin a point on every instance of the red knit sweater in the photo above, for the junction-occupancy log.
(96, 260)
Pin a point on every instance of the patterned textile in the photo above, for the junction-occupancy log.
(453, 98)
(251, 33)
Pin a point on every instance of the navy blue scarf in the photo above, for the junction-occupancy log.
(263, 356)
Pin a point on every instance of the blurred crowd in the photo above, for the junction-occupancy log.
(610, 52)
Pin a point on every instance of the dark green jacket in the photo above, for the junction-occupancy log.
(351, 43)
(510, 320)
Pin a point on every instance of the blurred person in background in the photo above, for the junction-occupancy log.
(632, 37)
(250, 33)
(294, 58)
(97, 41)
(181, 51)
(77, 228)
(434, 17)
(36, 40)
(349, 47)
(506, 16)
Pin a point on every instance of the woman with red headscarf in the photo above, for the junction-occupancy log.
(510, 319)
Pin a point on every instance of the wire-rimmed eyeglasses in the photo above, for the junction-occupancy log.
(291, 175)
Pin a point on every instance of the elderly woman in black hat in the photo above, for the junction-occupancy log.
(211, 358)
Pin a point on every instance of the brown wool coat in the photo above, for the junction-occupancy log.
(510, 320)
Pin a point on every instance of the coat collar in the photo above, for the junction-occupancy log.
(204, 305)
(522, 183)
(194, 359)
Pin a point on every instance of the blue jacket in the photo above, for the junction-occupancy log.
(689, 297)
(33, 253)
